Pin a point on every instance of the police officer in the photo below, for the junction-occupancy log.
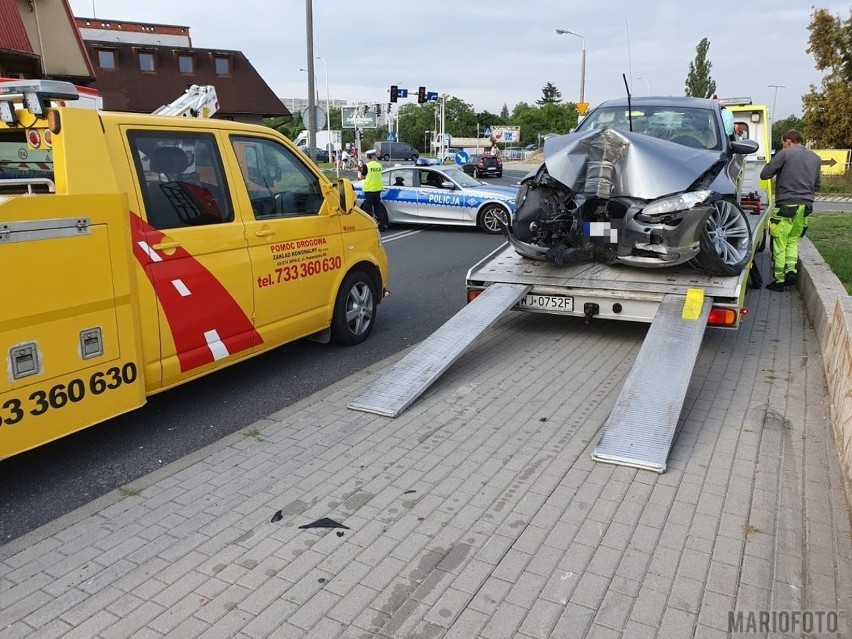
(797, 178)
(373, 186)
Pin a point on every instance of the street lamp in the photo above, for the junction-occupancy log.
(582, 63)
(647, 85)
(328, 116)
(776, 87)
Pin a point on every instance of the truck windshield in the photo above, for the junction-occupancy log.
(19, 162)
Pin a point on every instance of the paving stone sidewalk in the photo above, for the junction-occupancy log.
(478, 512)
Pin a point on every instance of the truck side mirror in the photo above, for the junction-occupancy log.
(347, 195)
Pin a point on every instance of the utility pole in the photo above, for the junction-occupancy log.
(776, 87)
(312, 105)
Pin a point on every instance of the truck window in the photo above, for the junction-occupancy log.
(279, 184)
(182, 178)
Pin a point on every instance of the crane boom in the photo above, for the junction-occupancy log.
(198, 101)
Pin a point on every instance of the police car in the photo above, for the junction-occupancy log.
(443, 195)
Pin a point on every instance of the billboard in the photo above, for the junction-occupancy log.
(358, 117)
(506, 134)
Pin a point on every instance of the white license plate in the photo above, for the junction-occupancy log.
(555, 303)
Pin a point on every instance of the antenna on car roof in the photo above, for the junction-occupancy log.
(629, 108)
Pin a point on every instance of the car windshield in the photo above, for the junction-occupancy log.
(460, 177)
(687, 126)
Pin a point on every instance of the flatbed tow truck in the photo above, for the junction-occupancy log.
(679, 303)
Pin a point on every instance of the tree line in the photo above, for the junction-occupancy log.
(826, 121)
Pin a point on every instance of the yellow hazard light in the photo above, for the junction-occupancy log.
(54, 122)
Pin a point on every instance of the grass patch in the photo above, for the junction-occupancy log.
(253, 433)
(831, 234)
(128, 492)
(834, 184)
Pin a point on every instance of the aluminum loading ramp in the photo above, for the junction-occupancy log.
(641, 427)
(409, 378)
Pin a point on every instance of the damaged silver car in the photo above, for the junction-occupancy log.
(653, 182)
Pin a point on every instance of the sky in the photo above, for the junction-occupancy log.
(491, 54)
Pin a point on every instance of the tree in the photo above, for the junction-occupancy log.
(504, 112)
(827, 111)
(699, 84)
(549, 95)
(779, 127)
(551, 118)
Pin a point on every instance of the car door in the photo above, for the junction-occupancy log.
(435, 203)
(294, 237)
(193, 250)
(400, 194)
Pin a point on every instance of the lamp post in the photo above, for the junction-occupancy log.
(776, 87)
(328, 116)
(582, 62)
(647, 85)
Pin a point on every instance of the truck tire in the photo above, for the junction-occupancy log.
(725, 241)
(489, 217)
(386, 157)
(354, 309)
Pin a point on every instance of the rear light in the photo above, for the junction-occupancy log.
(473, 294)
(722, 317)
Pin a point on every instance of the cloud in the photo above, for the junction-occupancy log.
(491, 54)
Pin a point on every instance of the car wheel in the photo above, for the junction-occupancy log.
(476, 173)
(499, 175)
(490, 217)
(354, 309)
(386, 157)
(725, 240)
(413, 158)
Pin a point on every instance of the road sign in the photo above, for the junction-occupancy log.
(432, 96)
(461, 157)
(487, 132)
(402, 93)
(391, 136)
(834, 161)
(319, 118)
(582, 107)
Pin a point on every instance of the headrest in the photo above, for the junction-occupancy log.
(169, 159)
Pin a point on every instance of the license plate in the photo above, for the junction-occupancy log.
(555, 303)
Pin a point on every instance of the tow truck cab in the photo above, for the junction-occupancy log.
(151, 250)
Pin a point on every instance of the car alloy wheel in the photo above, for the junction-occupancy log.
(490, 218)
(725, 240)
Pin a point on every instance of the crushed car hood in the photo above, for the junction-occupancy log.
(641, 166)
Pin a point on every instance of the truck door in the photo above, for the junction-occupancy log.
(193, 250)
(294, 238)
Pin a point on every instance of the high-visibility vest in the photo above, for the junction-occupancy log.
(373, 182)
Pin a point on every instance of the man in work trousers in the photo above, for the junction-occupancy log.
(373, 191)
(797, 178)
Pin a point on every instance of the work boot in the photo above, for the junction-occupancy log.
(776, 286)
(791, 278)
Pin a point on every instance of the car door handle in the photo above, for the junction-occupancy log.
(264, 232)
(165, 246)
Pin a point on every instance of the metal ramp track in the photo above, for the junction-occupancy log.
(409, 378)
(641, 427)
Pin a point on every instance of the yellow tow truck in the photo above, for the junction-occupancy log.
(155, 249)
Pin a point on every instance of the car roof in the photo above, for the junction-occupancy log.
(657, 101)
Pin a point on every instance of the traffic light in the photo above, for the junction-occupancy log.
(421, 95)
(394, 93)
(378, 109)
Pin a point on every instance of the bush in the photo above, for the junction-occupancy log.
(837, 183)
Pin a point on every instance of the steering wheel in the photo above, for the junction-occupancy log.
(688, 140)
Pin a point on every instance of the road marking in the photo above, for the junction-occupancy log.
(401, 235)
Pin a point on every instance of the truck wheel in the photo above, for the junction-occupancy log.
(386, 157)
(490, 217)
(354, 309)
(725, 241)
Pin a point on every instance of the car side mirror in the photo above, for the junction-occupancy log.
(744, 147)
(448, 185)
